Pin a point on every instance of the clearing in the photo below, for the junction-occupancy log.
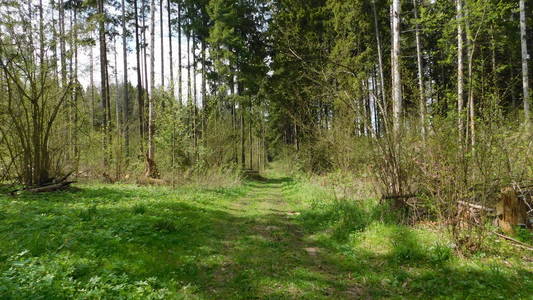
(272, 238)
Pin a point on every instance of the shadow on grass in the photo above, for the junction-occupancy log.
(225, 255)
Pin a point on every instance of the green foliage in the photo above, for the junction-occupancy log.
(392, 259)
(524, 235)
(87, 214)
(165, 226)
(241, 242)
(139, 209)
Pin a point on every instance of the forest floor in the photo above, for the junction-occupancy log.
(271, 238)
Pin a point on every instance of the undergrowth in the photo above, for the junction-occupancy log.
(394, 260)
(243, 242)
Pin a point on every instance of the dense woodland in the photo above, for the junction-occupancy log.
(424, 104)
(244, 81)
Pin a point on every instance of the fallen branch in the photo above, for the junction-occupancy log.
(516, 242)
(54, 185)
(392, 197)
(53, 181)
(51, 188)
(145, 180)
(476, 206)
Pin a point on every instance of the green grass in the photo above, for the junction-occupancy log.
(277, 238)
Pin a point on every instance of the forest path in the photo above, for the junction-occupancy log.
(269, 255)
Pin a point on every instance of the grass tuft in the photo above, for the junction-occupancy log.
(139, 209)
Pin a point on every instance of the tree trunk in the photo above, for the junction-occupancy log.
(195, 97)
(103, 79)
(380, 60)
(91, 83)
(140, 100)
(460, 71)
(525, 57)
(250, 140)
(147, 87)
(126, 100)
(243, 153)
(205, 110)
(180, 77)
(62, 47)
(234, 118)
(54, 39)
(41, 33)
(116, 91)
(189, 86)
(162, 43)
(77, 88)
(152, 85)
(470, 46)
(396, 79)
(420, 74)
(70, 111)
(170, 59)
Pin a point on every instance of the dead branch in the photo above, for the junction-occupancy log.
(394, 197)
(476, 206)
(516, 242)
(52, 188)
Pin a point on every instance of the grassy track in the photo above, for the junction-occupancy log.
(275, 238)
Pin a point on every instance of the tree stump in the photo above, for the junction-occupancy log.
(151, 168)
(510, 211)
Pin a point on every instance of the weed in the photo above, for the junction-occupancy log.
(165, 226)
(139, 209)
(88, 213)
(524, 235)
(440, 253)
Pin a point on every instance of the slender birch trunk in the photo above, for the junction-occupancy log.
(380, 60)
(170, 58)
(470, 46)
(460, 69)
(126, 100)
(396, 78)
(422, 96)
(140, 93)
(180, 67)
(162, 43)
(91, 83)
(525, 57)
